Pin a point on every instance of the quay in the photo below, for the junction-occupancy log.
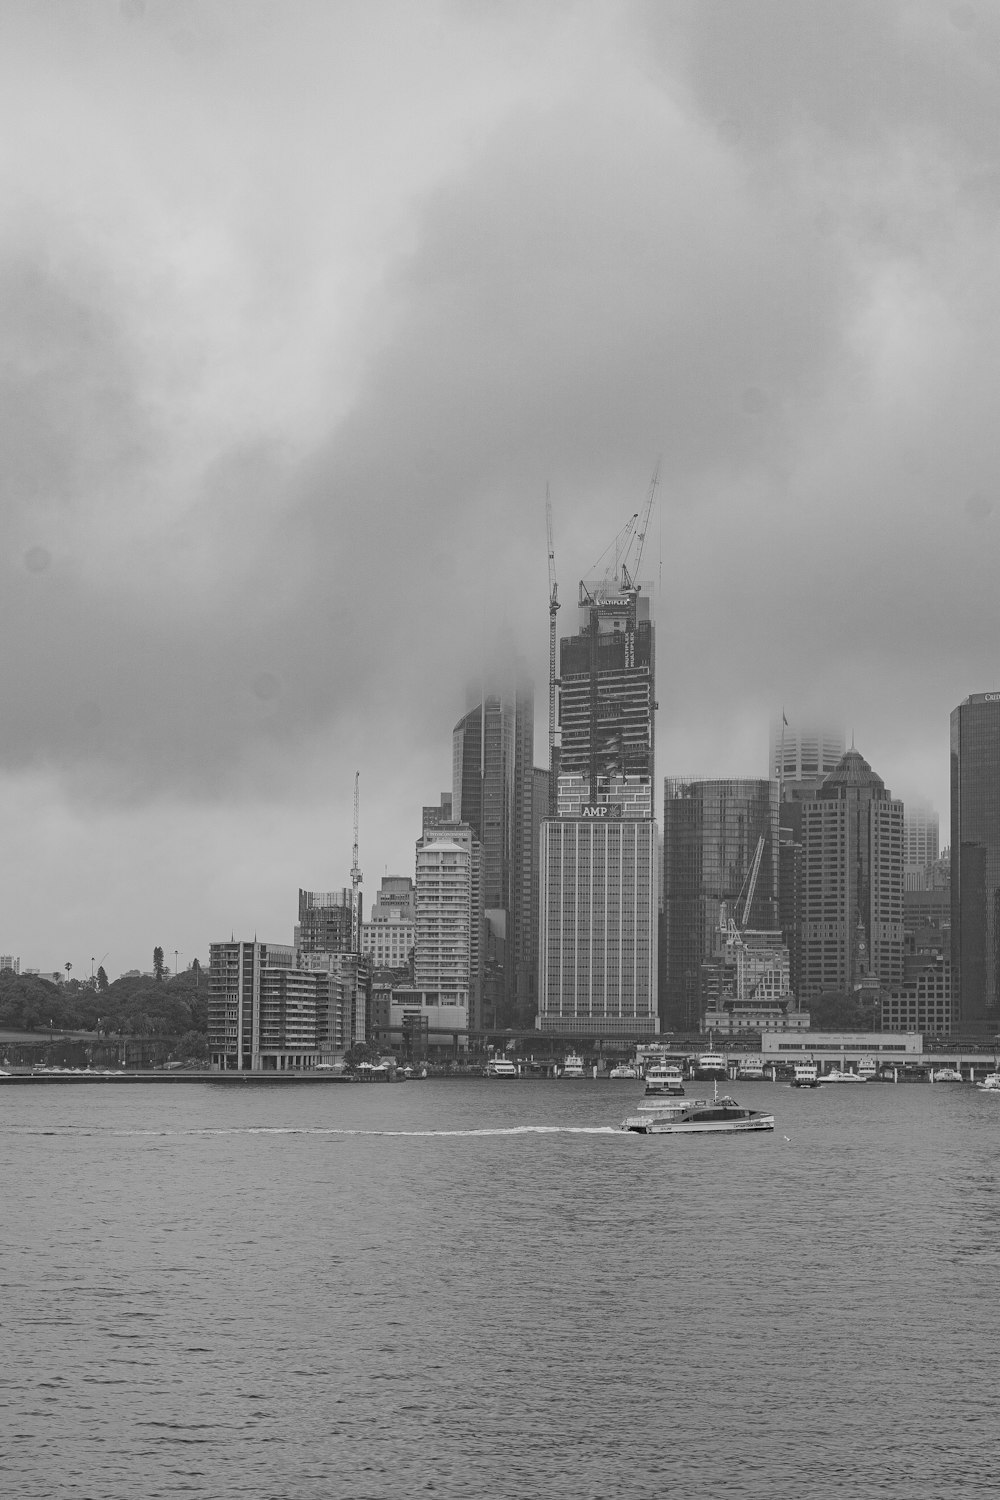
(172, 1075)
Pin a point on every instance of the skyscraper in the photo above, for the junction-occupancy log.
(492, 791)
(920, 844)
(802, 755)
(975, 864)
(598, 886)
(711, 832)
(852, 849)
(448, 948)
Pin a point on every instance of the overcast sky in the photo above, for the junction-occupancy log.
(303, 304)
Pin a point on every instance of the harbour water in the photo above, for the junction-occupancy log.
(483, 1288)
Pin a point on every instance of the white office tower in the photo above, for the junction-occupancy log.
(920, 844)
(802, 755)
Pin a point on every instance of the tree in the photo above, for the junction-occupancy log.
(102, 981)
(158, 962)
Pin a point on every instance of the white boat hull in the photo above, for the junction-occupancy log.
(651, 1125)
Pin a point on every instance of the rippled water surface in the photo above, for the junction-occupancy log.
(479, 1288)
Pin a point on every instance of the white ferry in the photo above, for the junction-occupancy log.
(710, 1065)
(697, 1117)
(946, 1075)
(500, 1067)
(806, 1076)
(750, 1067)
(573, 1066)
(990, 1084)
(664, 1078)
(840, 1075)
(868, 1068)
(624, 1070)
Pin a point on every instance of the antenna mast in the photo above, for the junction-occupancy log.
(356, 876)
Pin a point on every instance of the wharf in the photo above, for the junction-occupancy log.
(171, 1075)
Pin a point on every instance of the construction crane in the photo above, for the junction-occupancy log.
(356, 876)
(553, 610)
(630, 576)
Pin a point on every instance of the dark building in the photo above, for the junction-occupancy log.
(975, 864)
(852, 842)
(493, 792)
(606, 707)
(324, 924)
(711, 830)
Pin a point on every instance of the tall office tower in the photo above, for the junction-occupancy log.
(493, 791)
(606, 707)
(852, 850)
(920, 844)
(324, 924)
(712, 830)
(598, 882)
(802, 756)
(975, 864)
(449, 948)
(432, 817)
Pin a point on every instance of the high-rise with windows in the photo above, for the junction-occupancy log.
(920, 844)
(493, 792)
(852, 879)
(598, 886)
(711, 833)
(975, 864)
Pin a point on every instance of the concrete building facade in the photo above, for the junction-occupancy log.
(975, 863)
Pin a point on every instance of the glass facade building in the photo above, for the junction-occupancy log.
(711, 830)
(975, 863)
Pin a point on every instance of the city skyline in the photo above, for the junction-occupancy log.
(301, 320)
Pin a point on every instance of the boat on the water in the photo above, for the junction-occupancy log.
(624, 1070)
(664, 1078)
(751, 1067)
(806, 1076)
(573, 1066)
(717, 1116)
(710, 1065)
(500, 1067)
(945, 1075)
(841, 1075)
(990, 1084)
(868, 1068)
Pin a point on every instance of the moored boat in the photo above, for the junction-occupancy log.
(500, 1067)
(840, 1075)
(573, 1066)
(624, 1070)
(868, 1068)
(750, 1067)
(806, 1076)
(710, 1065)
(990, 1084)
(664, 1078)
(945, 1075)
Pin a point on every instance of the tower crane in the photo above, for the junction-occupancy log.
(356, 876)
(553, 609)
(630, 577)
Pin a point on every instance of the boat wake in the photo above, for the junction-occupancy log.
(337, 1130)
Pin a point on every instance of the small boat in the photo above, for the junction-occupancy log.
(750, 1067)
(664, 1078)
(990, 1084)
(806, 1076)
(840, 1075)
(697, 1117)
(500, 1067)
(946, 1075)
(710, 1065)
(624, 1070)
(573, 1066)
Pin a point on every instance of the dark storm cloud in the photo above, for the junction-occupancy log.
(756, 240)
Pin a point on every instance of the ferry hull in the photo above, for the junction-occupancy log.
(644, 1125)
